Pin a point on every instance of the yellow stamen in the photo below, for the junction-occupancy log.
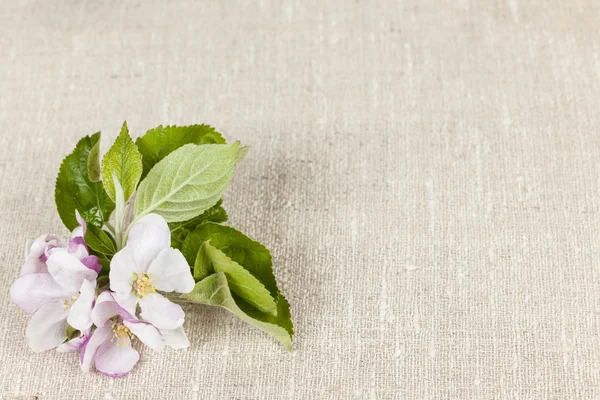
(142, 285)
(121, 333)
(69, 302)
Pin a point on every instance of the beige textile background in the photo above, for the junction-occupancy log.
(425, 173)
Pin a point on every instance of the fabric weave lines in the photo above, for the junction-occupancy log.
(425, 173)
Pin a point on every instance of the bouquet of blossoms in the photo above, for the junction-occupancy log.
(146, 234)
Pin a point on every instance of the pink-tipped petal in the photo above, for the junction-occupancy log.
(148, 237)
(81, 230)
(74, 344)
(116, 358)
(68, 271)
(161, 312)
(127, 305)
(147, 333)
(104, 309)
(47, 327)
(80, 313)
(109, 304)
(171, 272)
(36, 254)
(93, 263)
(39, 246)
(78, 248)
(89, 349)
(30, 292)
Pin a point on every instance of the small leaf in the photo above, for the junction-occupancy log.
(241, 282)
(105, 262)
(203, 264)
(94, 163)
(75, 191)
(187, 182)
(161, 141)
(100, 241)
(125, 161)
(242, 153)
(180, 230)
(250, 254)
(214, 290)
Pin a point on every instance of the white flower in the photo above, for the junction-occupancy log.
(146, 265)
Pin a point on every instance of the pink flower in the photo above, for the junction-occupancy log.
(109, 348)
(58, 286)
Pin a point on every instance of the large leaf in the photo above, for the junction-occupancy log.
(250, 254)
(214, 290)
(94, 171)
(241, 282)
(180, 230)
(124, 161)
(75, 191)
(161, 141)
(187, 182)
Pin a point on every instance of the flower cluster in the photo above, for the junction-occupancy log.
(138, 219)
(73, 312)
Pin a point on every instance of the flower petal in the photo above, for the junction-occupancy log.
(47, 328)
(171, 272)
(80, 313)
(161, 312)
(127, 305)
(147, 333)
(68, 271)
(74, 344)
(40, 246)
(93, 263)
(104, 309)
(81, 229)
(33, 265)
(88, 351)
(116, 359)
(176, 338)
(122, 268)
(109, 305)
(30, 292)
(148, 237)
(78, 248)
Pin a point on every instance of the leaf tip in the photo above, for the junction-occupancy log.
(241, 153)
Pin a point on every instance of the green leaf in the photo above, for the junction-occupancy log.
(125, 161)
(100, 241)
(105, 262)
(75, 191)
(214, 290)
(203, 264)
(187, 182)
(94, 163)
(241, 282)
(161, 141)
(248, 253)
(242, 153)
(180, 230)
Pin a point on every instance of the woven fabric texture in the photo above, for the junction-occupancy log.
(426, 174)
